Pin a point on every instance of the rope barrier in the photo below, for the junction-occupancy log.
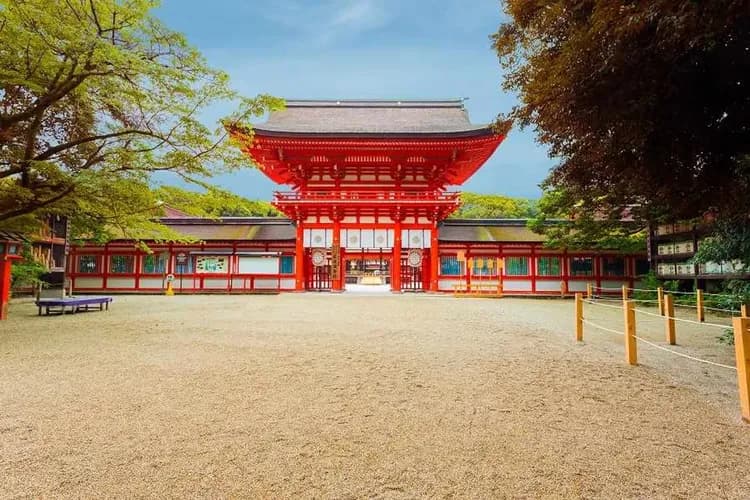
(677, 292)
(602, 305)
(587, 322)
(685, 355)
(721, 310)
(716, 325)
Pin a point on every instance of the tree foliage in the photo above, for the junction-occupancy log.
(492, 206)
(95, 96)
(213, 202)
(729, 241)
(577, 227)
(646, 104)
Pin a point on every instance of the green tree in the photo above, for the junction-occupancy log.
(492, 206)
(95, 96)
(570, 223)
(646, 104)
(213, 202)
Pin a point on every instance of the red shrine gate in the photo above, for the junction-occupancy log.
(368, 183)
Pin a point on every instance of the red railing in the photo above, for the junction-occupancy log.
(367, 196)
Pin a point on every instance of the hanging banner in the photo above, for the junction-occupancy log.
(335, 262)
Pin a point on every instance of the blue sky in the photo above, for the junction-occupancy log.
(406, 49)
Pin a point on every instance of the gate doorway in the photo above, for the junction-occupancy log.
(367, 271)
(318, 277)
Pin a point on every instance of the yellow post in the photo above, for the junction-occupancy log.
(669, 317)
(589, 291)
(660, 296)
(631, 344)
(624, 293)
(742, 351)
(563, 289)
(743, 310)
(579, 317)
(699, 305)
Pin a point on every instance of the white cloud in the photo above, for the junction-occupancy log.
(325, 22)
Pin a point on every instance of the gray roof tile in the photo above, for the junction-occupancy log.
(360, 117)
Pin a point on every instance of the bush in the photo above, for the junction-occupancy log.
(26, 272)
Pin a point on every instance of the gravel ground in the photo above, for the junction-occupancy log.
(360, 396)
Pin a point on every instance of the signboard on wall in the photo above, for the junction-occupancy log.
(335, 262)
(211, 264)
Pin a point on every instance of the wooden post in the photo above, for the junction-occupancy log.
(589, 291)
(669, 319)
(631, 343)
(563, 289)
(579, 317)
(624, 293)
(742, 352)
(660, 296)
(699, 305)
(743, 310)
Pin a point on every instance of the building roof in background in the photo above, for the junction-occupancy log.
(280, 229)
(173, 213)
(362, 118)
(233, 228)
(488, 231)
(12, 236)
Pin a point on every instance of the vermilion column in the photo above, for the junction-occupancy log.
(299, 259)
(434, 258)
(396, 265)
(337, 248)
(5, 264)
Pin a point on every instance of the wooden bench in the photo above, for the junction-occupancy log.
(76, 304)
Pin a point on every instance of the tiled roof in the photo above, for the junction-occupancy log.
(12, 236)
(233, 229)
(362, 118)
(488, 230)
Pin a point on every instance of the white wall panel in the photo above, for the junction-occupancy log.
(152, 283)
(548, 285)
(266, 284)
(288, 283)
(87, 283)
(517, 285)
(577, 286)
(259, 265)
(215, 284)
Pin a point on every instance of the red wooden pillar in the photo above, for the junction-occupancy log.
(396, 266)
(5, 264)
(434, 258)
(336, 247)
(299, 259)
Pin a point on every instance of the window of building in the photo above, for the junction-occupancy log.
(450, 265)
(484, 266)
(88, 264)
(582, 266)
(121, 264)
(516, 266)
(613, 266)
(548, 266)
(287, 264)
(156, 263)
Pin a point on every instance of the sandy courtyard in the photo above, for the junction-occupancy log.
(346, 396)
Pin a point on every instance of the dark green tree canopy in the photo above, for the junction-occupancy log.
(646, 103)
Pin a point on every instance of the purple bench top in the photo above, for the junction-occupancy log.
(73, 301)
